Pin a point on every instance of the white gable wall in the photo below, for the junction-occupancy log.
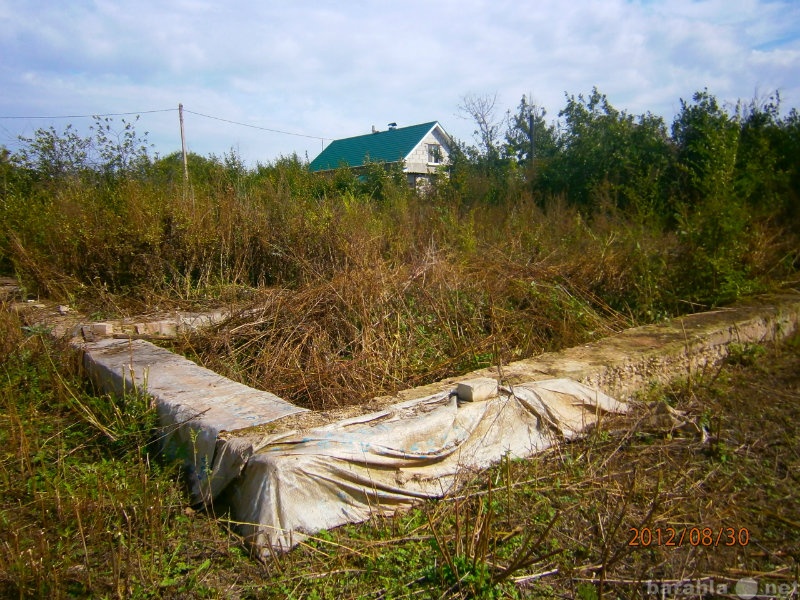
(417, 159)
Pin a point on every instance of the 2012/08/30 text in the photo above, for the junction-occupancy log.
(694, 536)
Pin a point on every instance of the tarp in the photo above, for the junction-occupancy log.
(298, 483)
(195, 405)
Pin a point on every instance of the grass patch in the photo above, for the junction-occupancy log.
(86, 508)
(375, 330)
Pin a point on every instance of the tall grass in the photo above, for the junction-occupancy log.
(364, 286)
(348, 289)
(149, 238)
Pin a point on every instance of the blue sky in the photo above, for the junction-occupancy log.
(334, 69)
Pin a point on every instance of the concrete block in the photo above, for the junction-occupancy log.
(102, 329)
(167, 328)
(477, 390)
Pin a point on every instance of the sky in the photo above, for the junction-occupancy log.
(267, 79)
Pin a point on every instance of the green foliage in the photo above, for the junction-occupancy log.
(714, 267)
(54, 155)
(519, 134)
(787, 161)
(110, 152)
(745, 355)
(382, 183)
(707, 140)
(121, 152)
(586, 591)
(668, 221)
(712, 222)
(609, 156)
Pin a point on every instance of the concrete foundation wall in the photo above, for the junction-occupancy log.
(217, 426)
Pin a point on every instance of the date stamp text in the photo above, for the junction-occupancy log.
(688, 536)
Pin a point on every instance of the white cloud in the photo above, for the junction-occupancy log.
(333, 69)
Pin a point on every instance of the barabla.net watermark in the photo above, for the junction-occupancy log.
(746, 588)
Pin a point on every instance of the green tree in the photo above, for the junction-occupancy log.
(707, 141)
(521, 138)
(111, 152)
(788, 161)
(6, 172)
(607, 155)
(54, 155)
(119, 151)
(712, 221)
(381, 182)
(760, 180)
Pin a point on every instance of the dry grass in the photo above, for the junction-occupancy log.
(88, 514)
(348, 298)
(86, 509)
(375, 329)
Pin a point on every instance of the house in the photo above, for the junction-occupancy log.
(421, 149)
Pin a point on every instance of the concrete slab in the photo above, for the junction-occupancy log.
(618, 366)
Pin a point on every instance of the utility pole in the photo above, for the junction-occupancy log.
(183, 147)
(530, 130)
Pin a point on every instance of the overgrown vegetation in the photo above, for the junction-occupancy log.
(87, 508)
(610, 220)
(345, 288)
(653, 499)
(100, 215)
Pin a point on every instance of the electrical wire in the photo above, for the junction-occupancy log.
(144, 112)
(313, 137)
(120, 114)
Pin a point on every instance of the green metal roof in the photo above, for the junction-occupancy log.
(384, 146)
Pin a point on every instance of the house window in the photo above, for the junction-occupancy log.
(434, 154)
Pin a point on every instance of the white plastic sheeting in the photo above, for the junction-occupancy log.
(194, 406)
(298, 483)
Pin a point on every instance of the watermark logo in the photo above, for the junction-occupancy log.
(746, 588)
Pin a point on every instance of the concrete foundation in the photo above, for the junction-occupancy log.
(224, 430)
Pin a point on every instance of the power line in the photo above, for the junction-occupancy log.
(313, 137)
(120, 114)
(163, 110)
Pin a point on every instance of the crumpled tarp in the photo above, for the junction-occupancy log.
(298, 483)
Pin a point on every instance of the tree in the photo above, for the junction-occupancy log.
(707, 140)
(6, 171)
(110, 152)
(119, 151)
(486, 165)
(761, 177)
(712, 222)
(521, 138)
(483, 112)
(789, 151)
(55, 155)
(607, 154)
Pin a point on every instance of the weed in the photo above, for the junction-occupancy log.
(745, 354)
(83, 515)
(353, 289)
